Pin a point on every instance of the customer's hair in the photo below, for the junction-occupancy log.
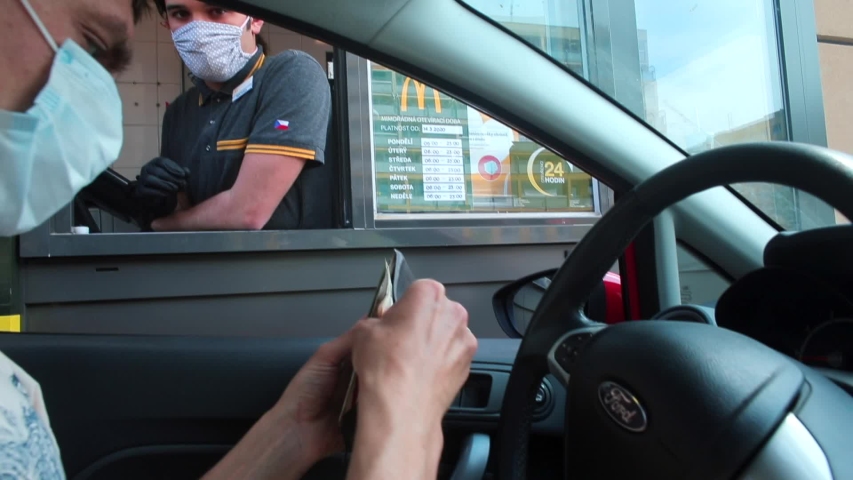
(161, 6)
(161, 9)
(140, 8)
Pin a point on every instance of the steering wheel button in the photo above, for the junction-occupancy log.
(564, 361)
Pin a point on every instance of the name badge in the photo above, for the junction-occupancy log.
(243, 89)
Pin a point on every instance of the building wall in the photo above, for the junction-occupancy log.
(156, 78)
(835, 46)
(835, 43)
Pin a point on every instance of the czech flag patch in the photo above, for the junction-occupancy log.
(282, 125)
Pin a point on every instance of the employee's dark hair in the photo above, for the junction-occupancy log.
(161, 9)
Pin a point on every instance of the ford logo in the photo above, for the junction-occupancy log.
(623, 407)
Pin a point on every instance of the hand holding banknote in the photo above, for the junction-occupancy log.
(410, 366)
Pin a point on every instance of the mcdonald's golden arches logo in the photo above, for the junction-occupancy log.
(420, 91)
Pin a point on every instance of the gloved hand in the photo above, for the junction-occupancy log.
(161, 177)
(148, 209)
(157, 186)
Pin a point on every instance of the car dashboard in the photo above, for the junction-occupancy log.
(801, 302)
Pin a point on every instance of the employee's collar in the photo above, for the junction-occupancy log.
(252, 66)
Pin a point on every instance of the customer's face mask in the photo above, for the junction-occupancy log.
(212, 51)
(71, 135)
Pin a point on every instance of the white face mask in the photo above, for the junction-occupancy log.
(212, 51)
(60, 145)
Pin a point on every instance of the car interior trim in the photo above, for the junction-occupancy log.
(791, 453)
(666, 261)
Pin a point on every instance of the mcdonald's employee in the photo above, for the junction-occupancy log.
(238, 148)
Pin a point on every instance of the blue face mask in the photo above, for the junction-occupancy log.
(71, 135)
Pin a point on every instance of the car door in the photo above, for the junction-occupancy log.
(169, 408)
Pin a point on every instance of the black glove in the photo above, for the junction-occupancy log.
(157, 186)
(161, 178)
(148, 209)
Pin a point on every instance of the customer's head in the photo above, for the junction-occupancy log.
(60, 109)
(104, 28)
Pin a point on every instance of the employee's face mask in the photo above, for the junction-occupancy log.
(60, 145)
(212, 51)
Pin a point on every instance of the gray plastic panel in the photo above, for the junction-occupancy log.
(292, 294)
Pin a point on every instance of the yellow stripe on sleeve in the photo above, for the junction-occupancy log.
(304, 151)
(239, 141)
(294, 155)
(238, 144)
(297, 153)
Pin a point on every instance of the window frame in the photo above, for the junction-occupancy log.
(361, 231)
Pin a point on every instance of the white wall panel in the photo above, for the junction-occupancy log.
(141, 144)
(169, 68)
(137, 104)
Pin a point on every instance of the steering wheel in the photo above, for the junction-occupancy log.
(662, 399)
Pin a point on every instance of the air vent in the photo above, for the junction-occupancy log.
(688, 313)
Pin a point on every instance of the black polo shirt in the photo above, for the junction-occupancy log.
(278, 105)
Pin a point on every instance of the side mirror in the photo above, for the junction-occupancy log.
(515, 303)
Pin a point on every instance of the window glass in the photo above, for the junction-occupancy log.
(552, 26)
(705, 73)
(700, 284)
(435, 154)
(711, 71)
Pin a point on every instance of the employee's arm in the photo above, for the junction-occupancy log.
(261, 185)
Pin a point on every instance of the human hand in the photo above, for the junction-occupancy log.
(310, 404)
(161, 178)
(421, 350)
(299, 430)
(411, 364)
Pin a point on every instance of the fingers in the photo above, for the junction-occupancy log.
(166, 168)
(447, 320)
(158, 187)
(337, 350)
(421, 298)
(418, 354)
(171, 167)
(161, 177)
(424, 291)
(455, 319)
(169, 175)
(468, 341)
